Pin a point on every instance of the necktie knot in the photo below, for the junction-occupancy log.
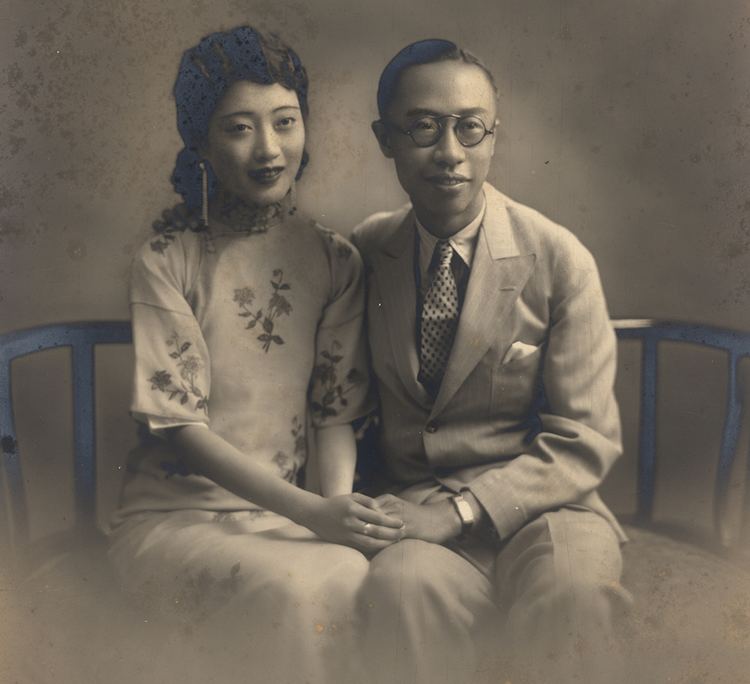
(444, 253)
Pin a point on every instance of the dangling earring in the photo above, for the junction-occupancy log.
(293, 198)
(204, 193)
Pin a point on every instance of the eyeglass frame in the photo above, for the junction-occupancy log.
(441, 129)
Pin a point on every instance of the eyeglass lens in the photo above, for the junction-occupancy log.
(470, 130)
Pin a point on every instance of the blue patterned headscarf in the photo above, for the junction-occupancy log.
(206, 72)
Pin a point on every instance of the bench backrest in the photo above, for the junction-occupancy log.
(83, 337)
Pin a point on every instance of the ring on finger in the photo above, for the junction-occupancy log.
(366, 529)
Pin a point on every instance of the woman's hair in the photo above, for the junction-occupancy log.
(422, 52)
(206, 72)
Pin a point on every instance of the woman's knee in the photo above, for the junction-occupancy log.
(335, 577)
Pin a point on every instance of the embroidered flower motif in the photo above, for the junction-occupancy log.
(278, 305)
(160, 380)
(244, 296)
(178, 219)
(198, 593)
(292, 468)
(288, 467)
(300, 438)
(332, 393)
(189, 365)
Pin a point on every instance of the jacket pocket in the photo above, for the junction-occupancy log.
(516, 383)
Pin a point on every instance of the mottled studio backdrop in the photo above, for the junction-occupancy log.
(628, 122)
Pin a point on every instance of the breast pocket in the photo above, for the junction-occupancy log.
(517, 381)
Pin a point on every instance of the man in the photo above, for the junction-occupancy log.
(495, 362)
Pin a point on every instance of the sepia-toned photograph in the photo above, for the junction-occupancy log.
(376, 342)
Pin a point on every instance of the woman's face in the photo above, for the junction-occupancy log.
(255, 141)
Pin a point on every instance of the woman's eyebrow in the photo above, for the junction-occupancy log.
(248, 112)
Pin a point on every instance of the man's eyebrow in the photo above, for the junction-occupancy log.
(248, 112)
(470, 111)
(422, 112)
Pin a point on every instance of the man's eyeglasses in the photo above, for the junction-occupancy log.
(427, 130)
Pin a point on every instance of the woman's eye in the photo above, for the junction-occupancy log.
(286, 122)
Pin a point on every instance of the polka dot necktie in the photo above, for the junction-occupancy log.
(439, 319)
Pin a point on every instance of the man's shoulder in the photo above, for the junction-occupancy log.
(378, 228)
(536, 233)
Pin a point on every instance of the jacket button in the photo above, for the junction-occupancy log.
(431, 428)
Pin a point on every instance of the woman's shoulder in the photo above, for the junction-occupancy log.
(173, 250)
(176, 232)
(332, 251)
(334, 243)
(176, 225)
(314, 238)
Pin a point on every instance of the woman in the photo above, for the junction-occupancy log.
(247, 325)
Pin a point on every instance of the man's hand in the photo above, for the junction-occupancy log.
(354, 520)
(434, 522)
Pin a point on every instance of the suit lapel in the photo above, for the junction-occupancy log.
(498, 274)
(394, 270)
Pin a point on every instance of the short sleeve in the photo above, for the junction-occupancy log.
(172, 366)
(340, 387)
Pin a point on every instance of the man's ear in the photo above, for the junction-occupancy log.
(381, 133)
(495, 126)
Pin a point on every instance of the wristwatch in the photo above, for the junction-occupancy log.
(465, 512)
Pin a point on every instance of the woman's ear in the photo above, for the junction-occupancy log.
(201, 149)
(381, 133)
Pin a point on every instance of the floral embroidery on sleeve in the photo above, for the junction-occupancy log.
(278, 305)
(334, 391)
(190, 365)
(343, 250)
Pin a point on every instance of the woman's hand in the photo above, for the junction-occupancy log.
(354, 520)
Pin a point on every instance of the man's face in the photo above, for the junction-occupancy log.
(444, 180)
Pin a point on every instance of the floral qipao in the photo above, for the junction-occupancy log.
(255, 334)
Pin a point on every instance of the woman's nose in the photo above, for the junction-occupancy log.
(448, 150)
(266, 144)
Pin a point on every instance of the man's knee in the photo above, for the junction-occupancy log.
(417, 573)
(401, 569)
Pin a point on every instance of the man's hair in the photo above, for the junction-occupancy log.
(422, 52)
(207, 71)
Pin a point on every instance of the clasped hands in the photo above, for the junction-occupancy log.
(371, 524)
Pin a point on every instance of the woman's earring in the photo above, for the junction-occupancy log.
(204, 192)
(293, 198)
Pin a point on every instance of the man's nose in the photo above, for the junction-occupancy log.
(448, 151)
(266, 144)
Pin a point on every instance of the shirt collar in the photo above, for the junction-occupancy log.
(464, 242)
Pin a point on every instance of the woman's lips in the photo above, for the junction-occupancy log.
(268, 175)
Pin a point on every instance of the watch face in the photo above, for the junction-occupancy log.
(464, 511)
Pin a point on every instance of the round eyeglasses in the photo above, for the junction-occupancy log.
(427, 130)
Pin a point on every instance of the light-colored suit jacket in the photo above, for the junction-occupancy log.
(526, 416)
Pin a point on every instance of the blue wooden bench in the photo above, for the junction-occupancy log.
(650, 560)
